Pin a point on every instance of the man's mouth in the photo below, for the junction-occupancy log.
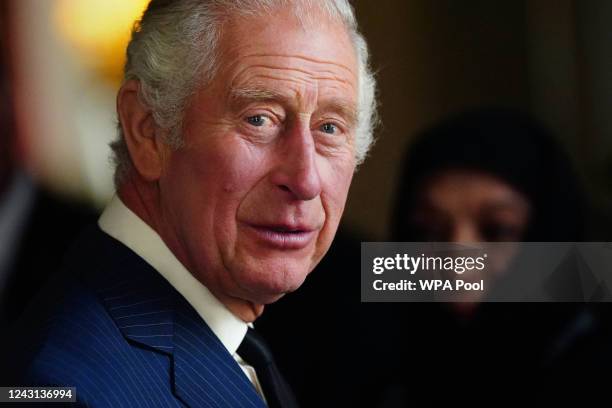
(284, 236)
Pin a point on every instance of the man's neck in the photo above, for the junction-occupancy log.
(245, 310)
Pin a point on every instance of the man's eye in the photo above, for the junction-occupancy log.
(256, 120)
(329, 128)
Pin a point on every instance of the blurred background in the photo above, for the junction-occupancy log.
(67, 59)
(550, 58)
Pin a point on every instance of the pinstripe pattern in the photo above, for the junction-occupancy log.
(125, 338)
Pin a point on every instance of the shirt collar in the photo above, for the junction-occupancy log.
(121, 223)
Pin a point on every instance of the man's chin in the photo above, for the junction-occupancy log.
(269, 294)
(266, 291)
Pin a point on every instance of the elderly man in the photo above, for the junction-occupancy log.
(241, 124)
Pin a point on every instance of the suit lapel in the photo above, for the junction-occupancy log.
(137, 298)
(142, 313)
(205, 374)
(148, 311)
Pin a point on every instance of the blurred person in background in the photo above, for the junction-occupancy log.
(36, 225)
(490, 175)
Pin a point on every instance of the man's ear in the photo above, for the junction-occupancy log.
(139, 131)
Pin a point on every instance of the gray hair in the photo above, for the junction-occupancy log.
(174, 51)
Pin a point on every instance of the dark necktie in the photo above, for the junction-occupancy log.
(255, 352)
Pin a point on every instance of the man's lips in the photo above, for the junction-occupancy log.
(283, 236)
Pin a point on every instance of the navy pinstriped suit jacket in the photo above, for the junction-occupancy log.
(121, 334)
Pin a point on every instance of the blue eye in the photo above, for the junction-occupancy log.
(328, 128)
(256, 120)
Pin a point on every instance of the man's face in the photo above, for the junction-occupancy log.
(255, 196)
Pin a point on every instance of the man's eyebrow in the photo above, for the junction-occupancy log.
(345, 109)
(251, 94)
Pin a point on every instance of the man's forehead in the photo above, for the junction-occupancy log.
(284, 61)
(308, 68)
(273, 76)
(284, 38)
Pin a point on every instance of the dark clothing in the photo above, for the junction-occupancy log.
(52, 226)
(115, 329)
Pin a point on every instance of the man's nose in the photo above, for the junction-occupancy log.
(297, 171)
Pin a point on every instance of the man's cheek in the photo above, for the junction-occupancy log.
(337, 176)
(334, 200)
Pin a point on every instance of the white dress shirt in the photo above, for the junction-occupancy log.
(121, 223)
